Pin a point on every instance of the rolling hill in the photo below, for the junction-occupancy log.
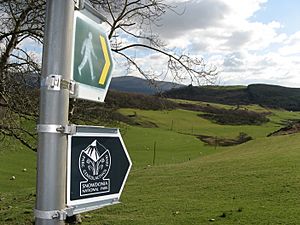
(271, 96)
(139, 85)
(177, 178)
(187, 181)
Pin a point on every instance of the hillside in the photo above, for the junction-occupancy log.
(271, 96)
(252, 184)
(262, 94)
(186, 181)
(139, 85)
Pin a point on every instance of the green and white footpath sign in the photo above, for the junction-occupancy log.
(92, 59)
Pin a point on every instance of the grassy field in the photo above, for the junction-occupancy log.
(255, 183)
(187, 122)
(188, 182)
(171, 147)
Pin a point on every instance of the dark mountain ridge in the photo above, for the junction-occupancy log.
(272, 96)
(142, 86)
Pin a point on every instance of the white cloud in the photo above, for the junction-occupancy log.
(245, 50)
(242, 9)
(196, 15)
(271, 68)
(226, 33)
(217, 26)
(291, 45)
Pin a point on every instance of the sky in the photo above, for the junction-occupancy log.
(250, 41)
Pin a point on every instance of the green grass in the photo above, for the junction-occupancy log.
(281, 116)
(201, 103)
(21, 165)
(16, 196)
(183, 121)
(253, 183)
(170, 147)
(14, 159)
(229, 88)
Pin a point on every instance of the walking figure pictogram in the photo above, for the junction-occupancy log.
(87, 50)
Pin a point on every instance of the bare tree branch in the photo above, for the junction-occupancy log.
(131, 26)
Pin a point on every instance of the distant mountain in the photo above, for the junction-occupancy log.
(139, 85)
(272, 96)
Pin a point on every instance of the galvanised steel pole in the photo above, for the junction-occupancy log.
(54, 107)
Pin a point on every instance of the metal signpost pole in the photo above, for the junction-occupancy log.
(54, 104)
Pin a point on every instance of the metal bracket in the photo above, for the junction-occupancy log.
(81, 208)
(68, 129)
(50, 215)
(54, 214)
(73, 87)
(54, 82)
(70, 85)
(79, 4)
(87, 8)
(49, 128)
(55, 128)
(93, 11)
(69, 211)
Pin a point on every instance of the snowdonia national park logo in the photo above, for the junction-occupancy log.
(94, 165)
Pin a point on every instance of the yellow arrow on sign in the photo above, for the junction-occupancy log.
(106, 59)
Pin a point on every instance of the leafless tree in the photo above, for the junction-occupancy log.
(22, 21)
(134, 20)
